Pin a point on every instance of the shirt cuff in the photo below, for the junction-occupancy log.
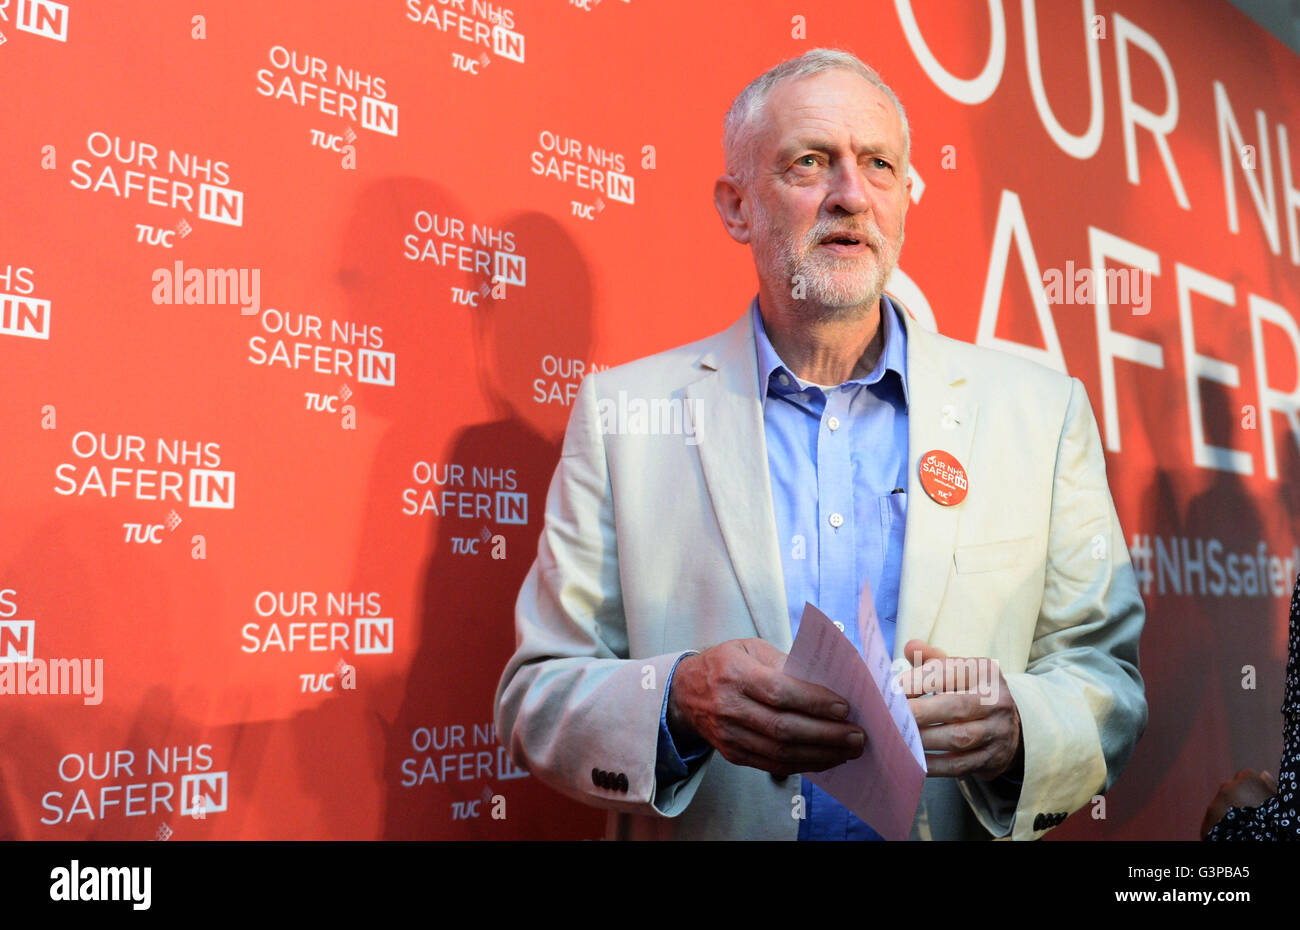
(674, 761)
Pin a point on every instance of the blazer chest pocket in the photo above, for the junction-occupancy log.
(991, 557)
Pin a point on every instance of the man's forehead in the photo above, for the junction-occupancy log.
(818, 108)
(827, 102)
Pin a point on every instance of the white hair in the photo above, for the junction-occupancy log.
(737, 125)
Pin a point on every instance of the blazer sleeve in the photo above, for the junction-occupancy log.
(572, 706)
(1081, 698)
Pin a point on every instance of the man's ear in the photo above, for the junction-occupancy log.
(729, 198)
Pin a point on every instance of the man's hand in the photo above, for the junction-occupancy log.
(736, 697)
(974, 733)
(1247, 789)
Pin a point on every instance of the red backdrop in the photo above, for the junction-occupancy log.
(357, 445)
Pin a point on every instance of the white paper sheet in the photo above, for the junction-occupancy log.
(883, 785)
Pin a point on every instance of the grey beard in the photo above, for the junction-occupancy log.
(827, 299)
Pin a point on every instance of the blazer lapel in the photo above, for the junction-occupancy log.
(941, 415)
(733, 455)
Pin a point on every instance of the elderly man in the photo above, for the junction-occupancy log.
(830, 442)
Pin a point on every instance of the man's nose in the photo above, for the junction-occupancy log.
(848, 190)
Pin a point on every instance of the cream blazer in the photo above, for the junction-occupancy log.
(659, 539)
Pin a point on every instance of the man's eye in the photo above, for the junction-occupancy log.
(805, 158)
(881, 163)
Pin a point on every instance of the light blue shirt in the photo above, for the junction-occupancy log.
(836, 456)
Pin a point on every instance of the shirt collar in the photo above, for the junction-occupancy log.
(893, 358)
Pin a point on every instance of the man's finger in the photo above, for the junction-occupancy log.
(772, 755)
(776, 689)
(968, 673)
(791, 727)
(958, 738)
(918, 651)
(925, 678)
(783, 725)
(952, 707)
(958, 673)
(956, 764)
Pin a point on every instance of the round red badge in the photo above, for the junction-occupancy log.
(943, 478)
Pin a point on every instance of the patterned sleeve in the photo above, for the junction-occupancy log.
(1277, 818)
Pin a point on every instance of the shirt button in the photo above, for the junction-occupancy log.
(784, 379)
(833, 423)
(836, 520)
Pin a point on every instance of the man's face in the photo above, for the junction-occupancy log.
(828, 163)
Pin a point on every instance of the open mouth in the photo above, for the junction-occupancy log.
(845, 244)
